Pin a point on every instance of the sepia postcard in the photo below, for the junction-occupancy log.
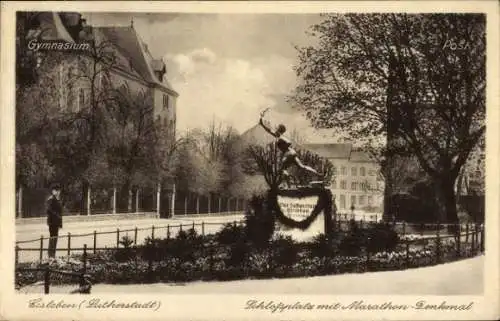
(222, 160)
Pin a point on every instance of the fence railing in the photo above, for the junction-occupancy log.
(366, 217)
(113, 238)
(410, 253)
(29, 277)
(31, 202)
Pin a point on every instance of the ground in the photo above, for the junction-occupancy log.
(463, 277)
(76, 229)
(436, 280)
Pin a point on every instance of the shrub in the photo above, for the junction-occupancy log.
(418, 206)
(186, 246)
(230, 233)
(127, 252)
(381, 237)
(352, 244)
(238, 253)
(285, 251)
(126, 241)
(374, 238)
(259, 222)
(259, 262)
(153, 249)
(321, 246)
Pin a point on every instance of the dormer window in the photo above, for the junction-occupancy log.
(159, 69)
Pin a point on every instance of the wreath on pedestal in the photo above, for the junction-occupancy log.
(324, 204)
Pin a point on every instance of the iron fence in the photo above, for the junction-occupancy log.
(74, 242)
(410, 253)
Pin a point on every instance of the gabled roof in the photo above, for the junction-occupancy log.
(52, 27)
(128, 43)
(339, 151)
(331, 150)
(158, 65)
(256, 136)
(360, 156)
(133, 55)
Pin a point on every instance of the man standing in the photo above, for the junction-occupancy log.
(54, 218)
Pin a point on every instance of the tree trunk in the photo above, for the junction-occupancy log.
(129, 203)
(20, 202)
(89, 199)
(209, 203)
(114, 200)
(83, 203)
(137, 200)
(447, 199)
(387, 215)
(197, 204)
(173, 201)
(158, 200)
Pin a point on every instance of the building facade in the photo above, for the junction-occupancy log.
(356, 182)
(82, 79)
(129, 62)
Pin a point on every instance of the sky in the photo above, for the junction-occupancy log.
(227, 67)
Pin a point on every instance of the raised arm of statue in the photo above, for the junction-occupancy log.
(266, 128)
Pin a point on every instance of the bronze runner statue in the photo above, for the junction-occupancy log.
(290, 156)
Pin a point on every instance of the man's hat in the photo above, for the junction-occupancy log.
(55, 187)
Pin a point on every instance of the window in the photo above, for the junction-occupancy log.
(353, 186)
(62, 88)
(80, 104)
(353, 200)
(354, 171)
(165, 122)
(344, 170)
(165, 101)
(342, 201)
(362, 171)
(334, 170)
(362, 200)
(370, 200)
(334, 183)
(371, 172)
(343, 184)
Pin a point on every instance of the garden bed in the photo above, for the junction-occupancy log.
(230, 256)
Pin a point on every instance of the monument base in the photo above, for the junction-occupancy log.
(298, 212)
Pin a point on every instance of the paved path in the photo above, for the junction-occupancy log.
(463, 277)
(34, 231)
(436, 280)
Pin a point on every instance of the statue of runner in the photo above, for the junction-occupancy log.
(290, 156)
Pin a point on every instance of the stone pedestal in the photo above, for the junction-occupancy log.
(300, 209)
